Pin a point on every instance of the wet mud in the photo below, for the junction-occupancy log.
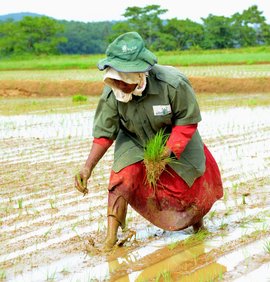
(50, 232)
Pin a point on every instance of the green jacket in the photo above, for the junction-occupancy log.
(168, 100)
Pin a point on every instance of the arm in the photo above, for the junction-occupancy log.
(179, 138)
(105, 130)
(99, 148)
(186, 117)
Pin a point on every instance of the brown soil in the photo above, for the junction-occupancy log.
(15, 88)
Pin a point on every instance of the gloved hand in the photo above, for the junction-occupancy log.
(81, 180)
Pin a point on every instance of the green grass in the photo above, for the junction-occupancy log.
(184, 58)
(221, 58)
(79, 98)
(52, 62)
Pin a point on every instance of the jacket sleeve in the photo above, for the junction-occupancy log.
(179, 138)
(104, 142)
(184, 104)
(106, 120)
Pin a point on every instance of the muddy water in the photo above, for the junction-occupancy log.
(49, 232)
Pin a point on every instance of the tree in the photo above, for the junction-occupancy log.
(85, 38)
(186, 33)
(8, 37)
(39, 35)
(31, 35)
(250, 28)
(217, 32)
(146, 21)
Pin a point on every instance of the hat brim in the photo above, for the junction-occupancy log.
(124, 66)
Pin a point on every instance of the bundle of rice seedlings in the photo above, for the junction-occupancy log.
(155, 157)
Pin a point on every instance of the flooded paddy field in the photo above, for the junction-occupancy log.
(50, 232)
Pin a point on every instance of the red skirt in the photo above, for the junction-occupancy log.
(172, 205)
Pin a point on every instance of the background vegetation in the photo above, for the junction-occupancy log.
(239, 56)
(41, 35)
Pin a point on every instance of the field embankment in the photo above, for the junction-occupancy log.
(244, 70)
(205, 79)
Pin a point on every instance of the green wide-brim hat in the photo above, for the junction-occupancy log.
(127, 53)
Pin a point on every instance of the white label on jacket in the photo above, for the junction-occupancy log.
(162, 110)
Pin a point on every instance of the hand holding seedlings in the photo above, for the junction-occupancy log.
(81, 181)
(82, 177)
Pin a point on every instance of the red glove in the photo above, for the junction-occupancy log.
(179, 138)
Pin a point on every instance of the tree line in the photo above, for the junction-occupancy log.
(44, 35)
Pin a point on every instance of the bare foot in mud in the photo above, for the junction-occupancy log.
(198, 226)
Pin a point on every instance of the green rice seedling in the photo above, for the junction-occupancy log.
(20, 203)
(244, 198)
(223, 226)
(265, 228)
(79, 98)
(173, 245)
(229, 211)
(48, 232)
(267, 246)
(155, 159)
(65, 271)
(165, 275)
(3, 275)
(235, 187)
(74, 226)
(51, 276)
(197, 237)
(52, 203)
(211, 215)
(225, 195)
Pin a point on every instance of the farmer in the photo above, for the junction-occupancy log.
(139, 99)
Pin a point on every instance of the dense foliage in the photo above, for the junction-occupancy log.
(31, 35)
(85, 38)
(43, 35)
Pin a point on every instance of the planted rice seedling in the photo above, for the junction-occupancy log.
(164, 276)
(197, 237)
(267, 246)
(20, 203)
(52, 203)
(173, 245)
(2, 274)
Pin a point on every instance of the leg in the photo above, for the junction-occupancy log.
(111, 237)
(116, 217)
(198, 226)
